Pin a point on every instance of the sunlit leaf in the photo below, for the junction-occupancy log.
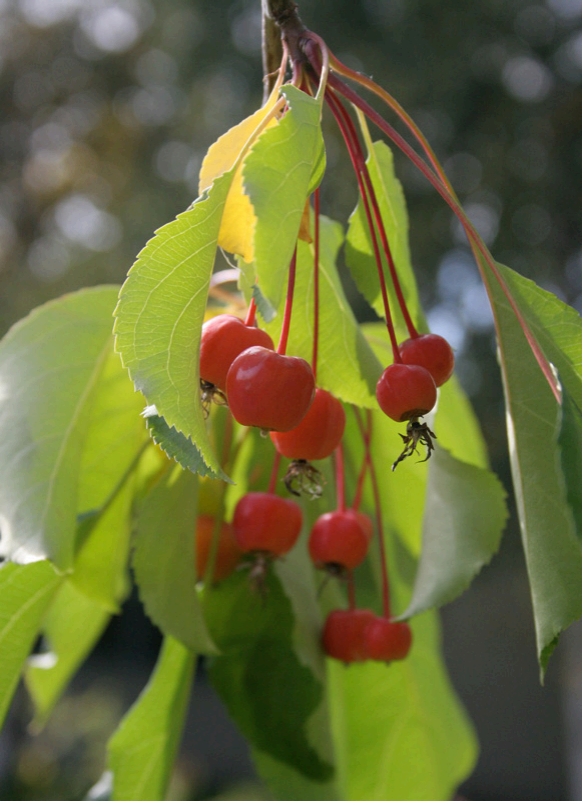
(161, 311)
(465, 514)
(268, 692)
(25, 594)
(142, 750)
(164, 559)
(71, 628)
(552, 548)
(277, 178)
(116, 437)
(51, 364)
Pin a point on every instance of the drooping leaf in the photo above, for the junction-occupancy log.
(465, 515)
(164, 560)
(268, 692)
(115, 440)
(100, 570)
(552, 548)
(142, 750)
(346, 365)
(72, 627)
(161, 311)
(178, 447)
(570, 443)
(558, 329)
(50, 366)
(277, 178)
(25, 594)
(400, 731)
(359, 251)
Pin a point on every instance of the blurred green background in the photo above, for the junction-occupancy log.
(108, 107)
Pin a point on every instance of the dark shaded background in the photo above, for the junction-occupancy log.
(108, 107)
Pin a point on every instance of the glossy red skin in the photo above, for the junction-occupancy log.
(265, 522)
(343, 634)
(338, 538)
(387, 640)
(365, 522)
(432, 352)
(223, 338)
(229, 554)
(268, 390)
(319, 432)
(405, 391)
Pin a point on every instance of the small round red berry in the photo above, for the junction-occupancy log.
(432, 352)
(365, 522)
(223, 338)
(265, 522)
(228, 555)
(405, 391)
(387, 640)
(343, 634)
(268, 390)
(338, 541)
(319, 432)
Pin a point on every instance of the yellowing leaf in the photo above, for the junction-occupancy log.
(305, 228)
(227, 149)
(238, 221)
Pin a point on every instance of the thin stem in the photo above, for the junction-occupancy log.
(357, 158)
(478, 246)
(380, 225)
(366, 433)
(274, 473)
(340, 488)
(251, 314)
(315, 282)
(282, 346)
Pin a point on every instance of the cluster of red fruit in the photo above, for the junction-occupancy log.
(277, 393)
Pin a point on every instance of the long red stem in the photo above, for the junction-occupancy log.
(340, 488)
(274, 473)
(366, 433)
(478, 246)
(282, 346)
(315, 282)
(356, 158)
(379, 222)
(251, 313)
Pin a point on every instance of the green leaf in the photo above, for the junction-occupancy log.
(160, 315)
(25, 594)
(346, 365)
(268, 692)
(115, 440)
(570, 443)
(464, 518)
(552, 548)
(50, 366)
(400, 732)
(179, 447)
(142, 751)
(164, 560)
(72, 627)
(359, 251)
(278, 173)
